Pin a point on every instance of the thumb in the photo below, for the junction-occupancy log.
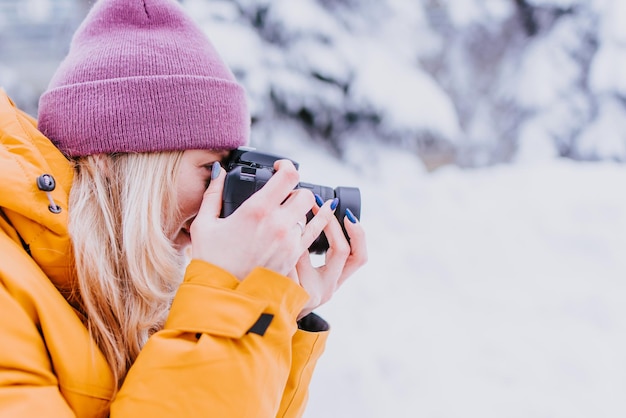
(212, 198)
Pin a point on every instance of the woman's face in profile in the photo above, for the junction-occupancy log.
(193, 175)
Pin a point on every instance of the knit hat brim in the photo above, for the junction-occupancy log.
(211, 115)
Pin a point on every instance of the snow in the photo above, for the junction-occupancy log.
(406, 96)
(609, 62)
(495, 292)
(304, 17)
(38, 11)
(563, 4)
(535, 143)
(468, 12)
(548, 70)
(607, 69)
(612, 24)
(606, 136)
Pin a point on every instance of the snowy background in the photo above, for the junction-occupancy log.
(488, 139)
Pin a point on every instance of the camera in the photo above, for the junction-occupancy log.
(247, 171)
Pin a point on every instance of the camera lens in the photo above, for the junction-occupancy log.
(349, 198)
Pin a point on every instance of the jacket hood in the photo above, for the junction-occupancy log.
(25, 155)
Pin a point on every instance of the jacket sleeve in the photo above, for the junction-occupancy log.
(307, 345)
(228, 349)
(28, 387)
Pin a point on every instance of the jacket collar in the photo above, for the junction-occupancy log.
(25, 155)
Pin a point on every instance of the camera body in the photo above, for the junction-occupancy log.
(247, 171)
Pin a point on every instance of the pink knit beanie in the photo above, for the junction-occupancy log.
(140, 76)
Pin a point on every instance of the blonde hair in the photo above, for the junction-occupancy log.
(122, 208)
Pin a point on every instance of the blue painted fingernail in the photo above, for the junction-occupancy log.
(318, 200)
(215, 170)
(334, 203)
(350, 216)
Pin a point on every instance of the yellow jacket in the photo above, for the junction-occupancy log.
(216, 356)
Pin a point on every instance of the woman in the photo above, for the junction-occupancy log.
(107, 309)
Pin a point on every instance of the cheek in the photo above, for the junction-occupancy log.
(189, 200)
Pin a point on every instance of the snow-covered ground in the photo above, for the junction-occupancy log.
(490, 293)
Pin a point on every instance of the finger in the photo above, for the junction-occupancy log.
(304, 270)
(306, 274)
(297, 205)
(281, 184)
(293, 275)
(322, 217)
(212, 198)
(338, 248)
(358, 249)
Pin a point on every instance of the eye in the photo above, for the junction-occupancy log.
(208, 169)
(207, 175)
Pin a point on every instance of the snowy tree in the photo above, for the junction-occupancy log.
(465, 82)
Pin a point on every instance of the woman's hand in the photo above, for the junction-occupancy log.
(341, 260)
(263, 231)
